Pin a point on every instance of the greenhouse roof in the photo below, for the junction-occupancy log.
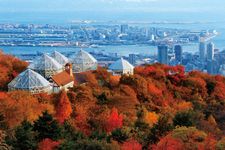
(45, 62)
(29, 79)
(60, 58)
(121, 64)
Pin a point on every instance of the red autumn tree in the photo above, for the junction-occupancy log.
(114, 121)
(63, 108)
(168, 143)
(153, 90)
(48, 144)
(131, 145)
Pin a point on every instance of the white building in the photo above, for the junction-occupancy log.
(30, 81)
(121, 66)
(46, 66)
(60, 58)
(83, 61)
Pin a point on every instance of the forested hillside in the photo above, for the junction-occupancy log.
(159, 107)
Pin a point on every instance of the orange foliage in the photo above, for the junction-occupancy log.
(197, 84)
(183, 106)
(151, 118)
(10, 67)
(125, 100)
(219, 91)
(114, 80)
(48, 144)
(114, 121)
(131, 145)
(18, 106)
(63, 108)
(153, 90)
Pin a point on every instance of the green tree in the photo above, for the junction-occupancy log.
(25, 137)
(47, 127)
(69, 133)
(98, 135)
(158, 130)
(185, 118)
(85, 145)
(119, 135)
(3, 124)
(102, 99)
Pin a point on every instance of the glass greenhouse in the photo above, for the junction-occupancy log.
(46, 66)
(121, 66)
(30, 81)
(60, 58)
(83, 61)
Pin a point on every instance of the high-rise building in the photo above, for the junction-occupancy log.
(132, 59)
(210, 51)
(163, 54)
(178, 53)
(202, 50)
(124, 28)
(212, 66)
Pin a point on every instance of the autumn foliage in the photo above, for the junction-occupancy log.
(19, 106)
(131, 145)
(160, 107)
(114, 121)
(63, 108)
(10, 67)
(48, 144)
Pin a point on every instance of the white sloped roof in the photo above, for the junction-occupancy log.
(28, 80)
(121, 64)
(60, 58)
(45, 62)
(83, 57)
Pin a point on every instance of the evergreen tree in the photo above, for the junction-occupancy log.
(47, 127)
(184, 119)
(25, 137)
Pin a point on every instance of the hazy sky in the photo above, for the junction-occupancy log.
(113, 5)
(105, 10)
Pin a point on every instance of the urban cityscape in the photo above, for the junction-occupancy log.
(169, 43)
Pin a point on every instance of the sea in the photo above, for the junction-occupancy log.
(192, 21)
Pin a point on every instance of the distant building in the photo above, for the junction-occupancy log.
(63, 80)
(163, 54)
(210, 68)
(132, 59)
(202, 51)
(222, 70)
(83, 61)
(210, 51)
(46, 66)
(121, 66)
(178, 53)
(124, 28)
(30, 81)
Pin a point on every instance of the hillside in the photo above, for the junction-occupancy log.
(159, 107)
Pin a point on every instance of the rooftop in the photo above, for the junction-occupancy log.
(121, 64)
(62, 78)
(60, 58)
